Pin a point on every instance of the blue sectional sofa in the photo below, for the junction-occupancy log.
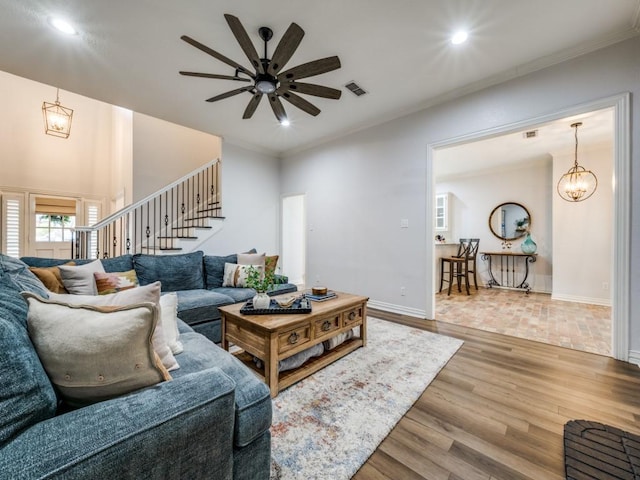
(195, 277)
(210, 421)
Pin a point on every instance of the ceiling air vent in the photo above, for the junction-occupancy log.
(354, 88)
(530, 134)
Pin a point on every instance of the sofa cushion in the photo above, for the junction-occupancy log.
(176, 272)
(21, 277)
(252, 397)
(214, 269)
(26, 394)
(148, 293)
(79, 280)
(238, 294)
(50, 278)
(237, 275)
(121, 263)
(95, 353)
(114, 282)
(195, 306)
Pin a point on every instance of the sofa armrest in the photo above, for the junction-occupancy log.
(177, 429)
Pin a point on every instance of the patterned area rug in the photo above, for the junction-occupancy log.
(327, 425)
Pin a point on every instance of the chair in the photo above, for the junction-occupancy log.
(461, 265)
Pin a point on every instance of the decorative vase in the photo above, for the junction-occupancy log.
(528, 246)
(261, 301)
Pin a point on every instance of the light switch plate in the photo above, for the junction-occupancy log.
(404, 223)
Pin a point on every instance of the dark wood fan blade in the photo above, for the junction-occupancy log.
(230, 93)
(277, 107)
(253, 104)
(301, 103)
(214, 75)
(217, 55)
(245, 42)
(285, 49)
(310, 69)
(311, 89)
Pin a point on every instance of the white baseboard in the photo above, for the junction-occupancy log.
(634, 357)
(399, 309)
(591, 300)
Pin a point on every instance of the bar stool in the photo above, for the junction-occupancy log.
(461, 265)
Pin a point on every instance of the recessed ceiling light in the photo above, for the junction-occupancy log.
(285, 122)
(459, 37)
(62, 25)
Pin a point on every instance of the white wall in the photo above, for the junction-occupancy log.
(77, 166)
(164, 152)
(473, 198)
(250, 202)
(360, 186)
(583, 233)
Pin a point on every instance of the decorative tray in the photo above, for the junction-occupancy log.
(274, 308)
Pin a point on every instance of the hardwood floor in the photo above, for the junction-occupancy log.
(496, 411)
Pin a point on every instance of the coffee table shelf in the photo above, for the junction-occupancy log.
(272, 338)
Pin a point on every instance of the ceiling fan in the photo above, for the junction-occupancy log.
(268, 78)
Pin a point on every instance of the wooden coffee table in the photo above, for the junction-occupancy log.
(272, 338)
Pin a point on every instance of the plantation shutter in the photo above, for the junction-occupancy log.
(12, 214)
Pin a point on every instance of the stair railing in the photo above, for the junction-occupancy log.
(152, 224)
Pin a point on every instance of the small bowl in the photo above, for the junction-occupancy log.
(319, 290)
(285, 302)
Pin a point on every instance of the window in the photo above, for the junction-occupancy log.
(55, 219)
(54, 228)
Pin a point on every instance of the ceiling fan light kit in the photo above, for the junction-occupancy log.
(268, 78)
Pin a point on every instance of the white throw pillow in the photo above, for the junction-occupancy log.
(148, 293)
(78, 279)
(236, 275)
(93, 353)
(252, 259)
(169, 307)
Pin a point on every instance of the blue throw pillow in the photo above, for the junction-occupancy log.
(214, 269)
(26, 394)
(175, 272)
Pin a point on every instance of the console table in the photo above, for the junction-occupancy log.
(502, 266)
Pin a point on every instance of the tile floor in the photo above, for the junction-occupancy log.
(535, 317)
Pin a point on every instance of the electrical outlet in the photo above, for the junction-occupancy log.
(605, 285)
(403, 291)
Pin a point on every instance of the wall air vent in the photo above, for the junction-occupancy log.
(530, 134)
(356, 89)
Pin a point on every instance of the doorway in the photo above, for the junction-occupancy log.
(293, 238)
(621, 205)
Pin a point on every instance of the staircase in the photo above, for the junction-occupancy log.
(180, 216)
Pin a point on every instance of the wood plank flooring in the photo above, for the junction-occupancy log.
(496, 411)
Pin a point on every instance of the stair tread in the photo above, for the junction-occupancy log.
(191, 226)
(203, 217)
(178, 237)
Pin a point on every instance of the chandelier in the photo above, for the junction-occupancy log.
(57, 119)
(578, 183)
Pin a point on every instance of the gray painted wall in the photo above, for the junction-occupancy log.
(360, 186)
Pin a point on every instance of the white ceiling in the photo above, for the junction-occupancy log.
(128, 53)
(513, 150)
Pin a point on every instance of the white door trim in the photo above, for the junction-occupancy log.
(620, 316)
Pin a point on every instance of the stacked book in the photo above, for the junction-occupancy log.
(321, 298)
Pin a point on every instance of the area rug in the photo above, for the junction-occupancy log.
(597, 451)
(327, 425)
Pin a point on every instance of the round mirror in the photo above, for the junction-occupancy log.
(509, 221)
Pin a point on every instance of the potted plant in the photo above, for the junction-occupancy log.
(261, 283)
